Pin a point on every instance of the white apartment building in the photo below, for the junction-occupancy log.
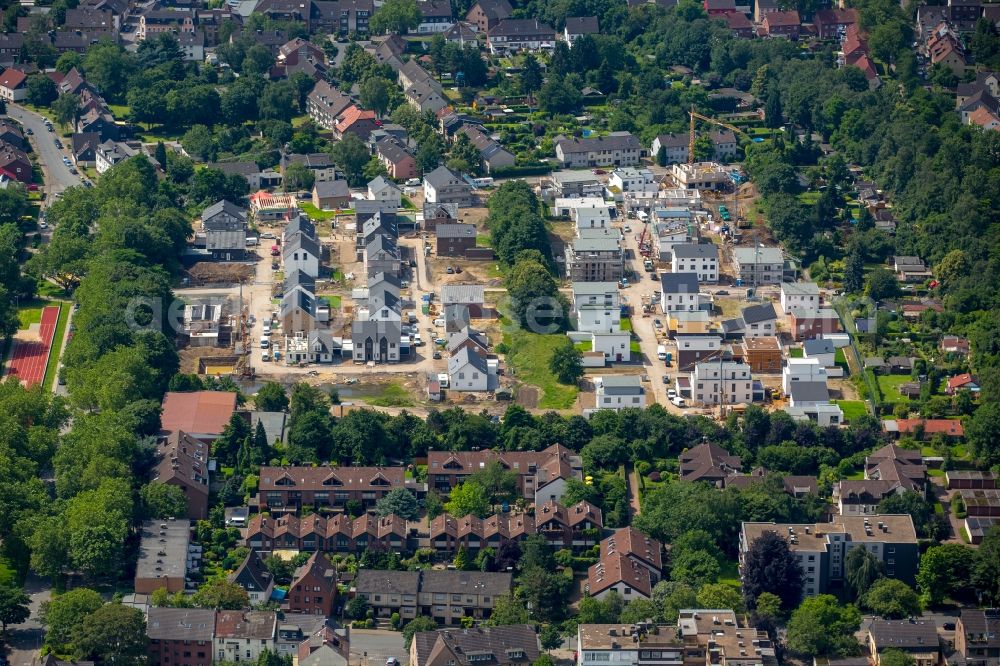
(597, 307)
(701, 259)
(726, 382)
(799, 295)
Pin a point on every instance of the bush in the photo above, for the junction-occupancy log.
(394, 621)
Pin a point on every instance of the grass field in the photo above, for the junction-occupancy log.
(889, 385)
(29, 315)
(315, 213)
(795, 352)
(584, 346)
(529, 358)
(626, 324)
(852, 409)
(393, 395)
(57, 344)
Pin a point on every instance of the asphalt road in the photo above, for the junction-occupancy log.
(25, 639)
(57, 174)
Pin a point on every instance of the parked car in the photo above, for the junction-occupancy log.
(657, 323)
(671, 393)
(679, 402)
(436, 354)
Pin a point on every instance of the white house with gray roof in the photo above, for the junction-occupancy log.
(445, 186)
(799, 295)
(384, 190)
(468, 370)
(760, 320)
(616, 149)
(699, 258)
(619, 392)
(225, 227)
(301, 252)
(597, 306)
(760, 265)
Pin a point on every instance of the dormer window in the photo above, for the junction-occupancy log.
(332, 481)
(285, 481)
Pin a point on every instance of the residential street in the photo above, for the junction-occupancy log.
(25, 639)
(57, 174)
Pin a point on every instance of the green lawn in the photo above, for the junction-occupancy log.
(584, 346)
(795, 352)
(334, 301)
(626, 324)
(730, 574)
(529, 359)
(120, 111)
(29, 315)
(7, 573)
(393, 395)
(889, 385)
(840, 359)
(315, 213)
(406, 204)
(57, 342)
(484, 240)
(809, 198)
(635, 347)
(852, 409)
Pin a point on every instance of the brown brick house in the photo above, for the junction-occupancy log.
(536, 470)
(338, 533)
(313, 587)
(291, 488)
(763, 355)
(454, 240)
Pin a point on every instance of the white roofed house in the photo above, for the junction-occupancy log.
(597, 306)
(619, 392)
(701, 259)
(615, 345)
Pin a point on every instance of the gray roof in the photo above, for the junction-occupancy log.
(521, 28)
(579, 176)
(905, 635)
(614, 141)
(754, 314)
(383, 295)
(621, 384)
(467, 333)
(455, 230)
(375, 330)
(764, 255)
(163, 549)
(463, 293)
(582, 25)
(300, 224)
(325, 340)
(696, 251)
(299, 278)
(468, 582)
(301, 241)
(596, 245)
(818, 346)
(299, 298)
(223, 205)
(252, 575)
(382, 244)
(594, 288)
(381, 183)
(332, 188)
(810, 391)
(442, 177)
(800, 288)
(464, 357)
(370, 581)
(188, 624)
(431, 210)
(679, 283)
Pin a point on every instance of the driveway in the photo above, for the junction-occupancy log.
(643, 327)
(26, 638)
(57, 174)
(371, 647)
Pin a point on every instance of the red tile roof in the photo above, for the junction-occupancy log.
(199, 412)
(12, 78)
(931, 426)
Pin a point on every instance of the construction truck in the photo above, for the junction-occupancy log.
(648, 265)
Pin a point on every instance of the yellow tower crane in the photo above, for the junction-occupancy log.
(694, 114)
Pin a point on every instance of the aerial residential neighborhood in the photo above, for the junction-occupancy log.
(465, 332)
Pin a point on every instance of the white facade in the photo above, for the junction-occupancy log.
(630, 179)
(822, 415)
(381, 189)
(303, 260)
(241, 649)
(614, 346)
(701, 259)
(727, 382)
(686, 302)
(801, 370)
(619, 392)
(799, 295)
(597, 306)
(591, 218)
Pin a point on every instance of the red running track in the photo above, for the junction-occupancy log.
(29, 359)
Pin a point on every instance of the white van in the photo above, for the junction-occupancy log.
(439, 321)
(661, 352)
(265, 342)
(267, 326)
